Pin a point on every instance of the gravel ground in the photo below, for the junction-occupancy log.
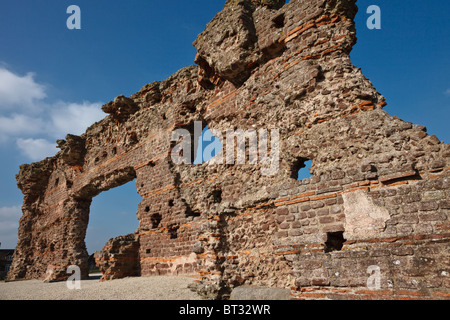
(145, 288)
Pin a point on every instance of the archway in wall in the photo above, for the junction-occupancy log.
(112, 214)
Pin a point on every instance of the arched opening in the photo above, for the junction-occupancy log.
(194, 144)
(209, 147)
(112, 214)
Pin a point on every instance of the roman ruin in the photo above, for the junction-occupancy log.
(378, 195)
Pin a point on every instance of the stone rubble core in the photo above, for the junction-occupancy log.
(119, 258)
(379, 194)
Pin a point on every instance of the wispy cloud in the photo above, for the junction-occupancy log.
(19, 125)
(447, 92)
(35, 124)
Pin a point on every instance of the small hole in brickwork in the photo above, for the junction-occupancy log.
(147, 209)
(192, 213)
(335, 241)
(216, 196)
(156, 220)
(56, 182)
(189, 211)
(301, 169)
(170, 203)
(114, 151)
(148, 251)
(173, 231)
(278, 21)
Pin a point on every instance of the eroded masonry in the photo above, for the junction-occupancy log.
(379, 195)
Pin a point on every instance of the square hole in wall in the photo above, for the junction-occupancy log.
(173, 231)
(279, 21)
(335, 241)
(301, 169)
(155, 220)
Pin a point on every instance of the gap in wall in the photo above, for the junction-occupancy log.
(112, 214)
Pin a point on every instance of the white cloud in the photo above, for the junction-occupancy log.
(32, 122)
(37, 149)
(63, 118)
(19, 91)
(19, 125)
(447, 92)
(9, 223)
(74, 118)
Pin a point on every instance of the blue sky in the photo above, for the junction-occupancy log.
(54, 80)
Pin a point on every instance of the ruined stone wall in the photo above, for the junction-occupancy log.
(119, 258)
(378, 196)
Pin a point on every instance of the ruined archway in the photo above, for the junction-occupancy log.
(111, 230)
(85, 195)
(262, 65)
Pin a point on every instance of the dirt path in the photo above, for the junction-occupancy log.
(145, 288)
